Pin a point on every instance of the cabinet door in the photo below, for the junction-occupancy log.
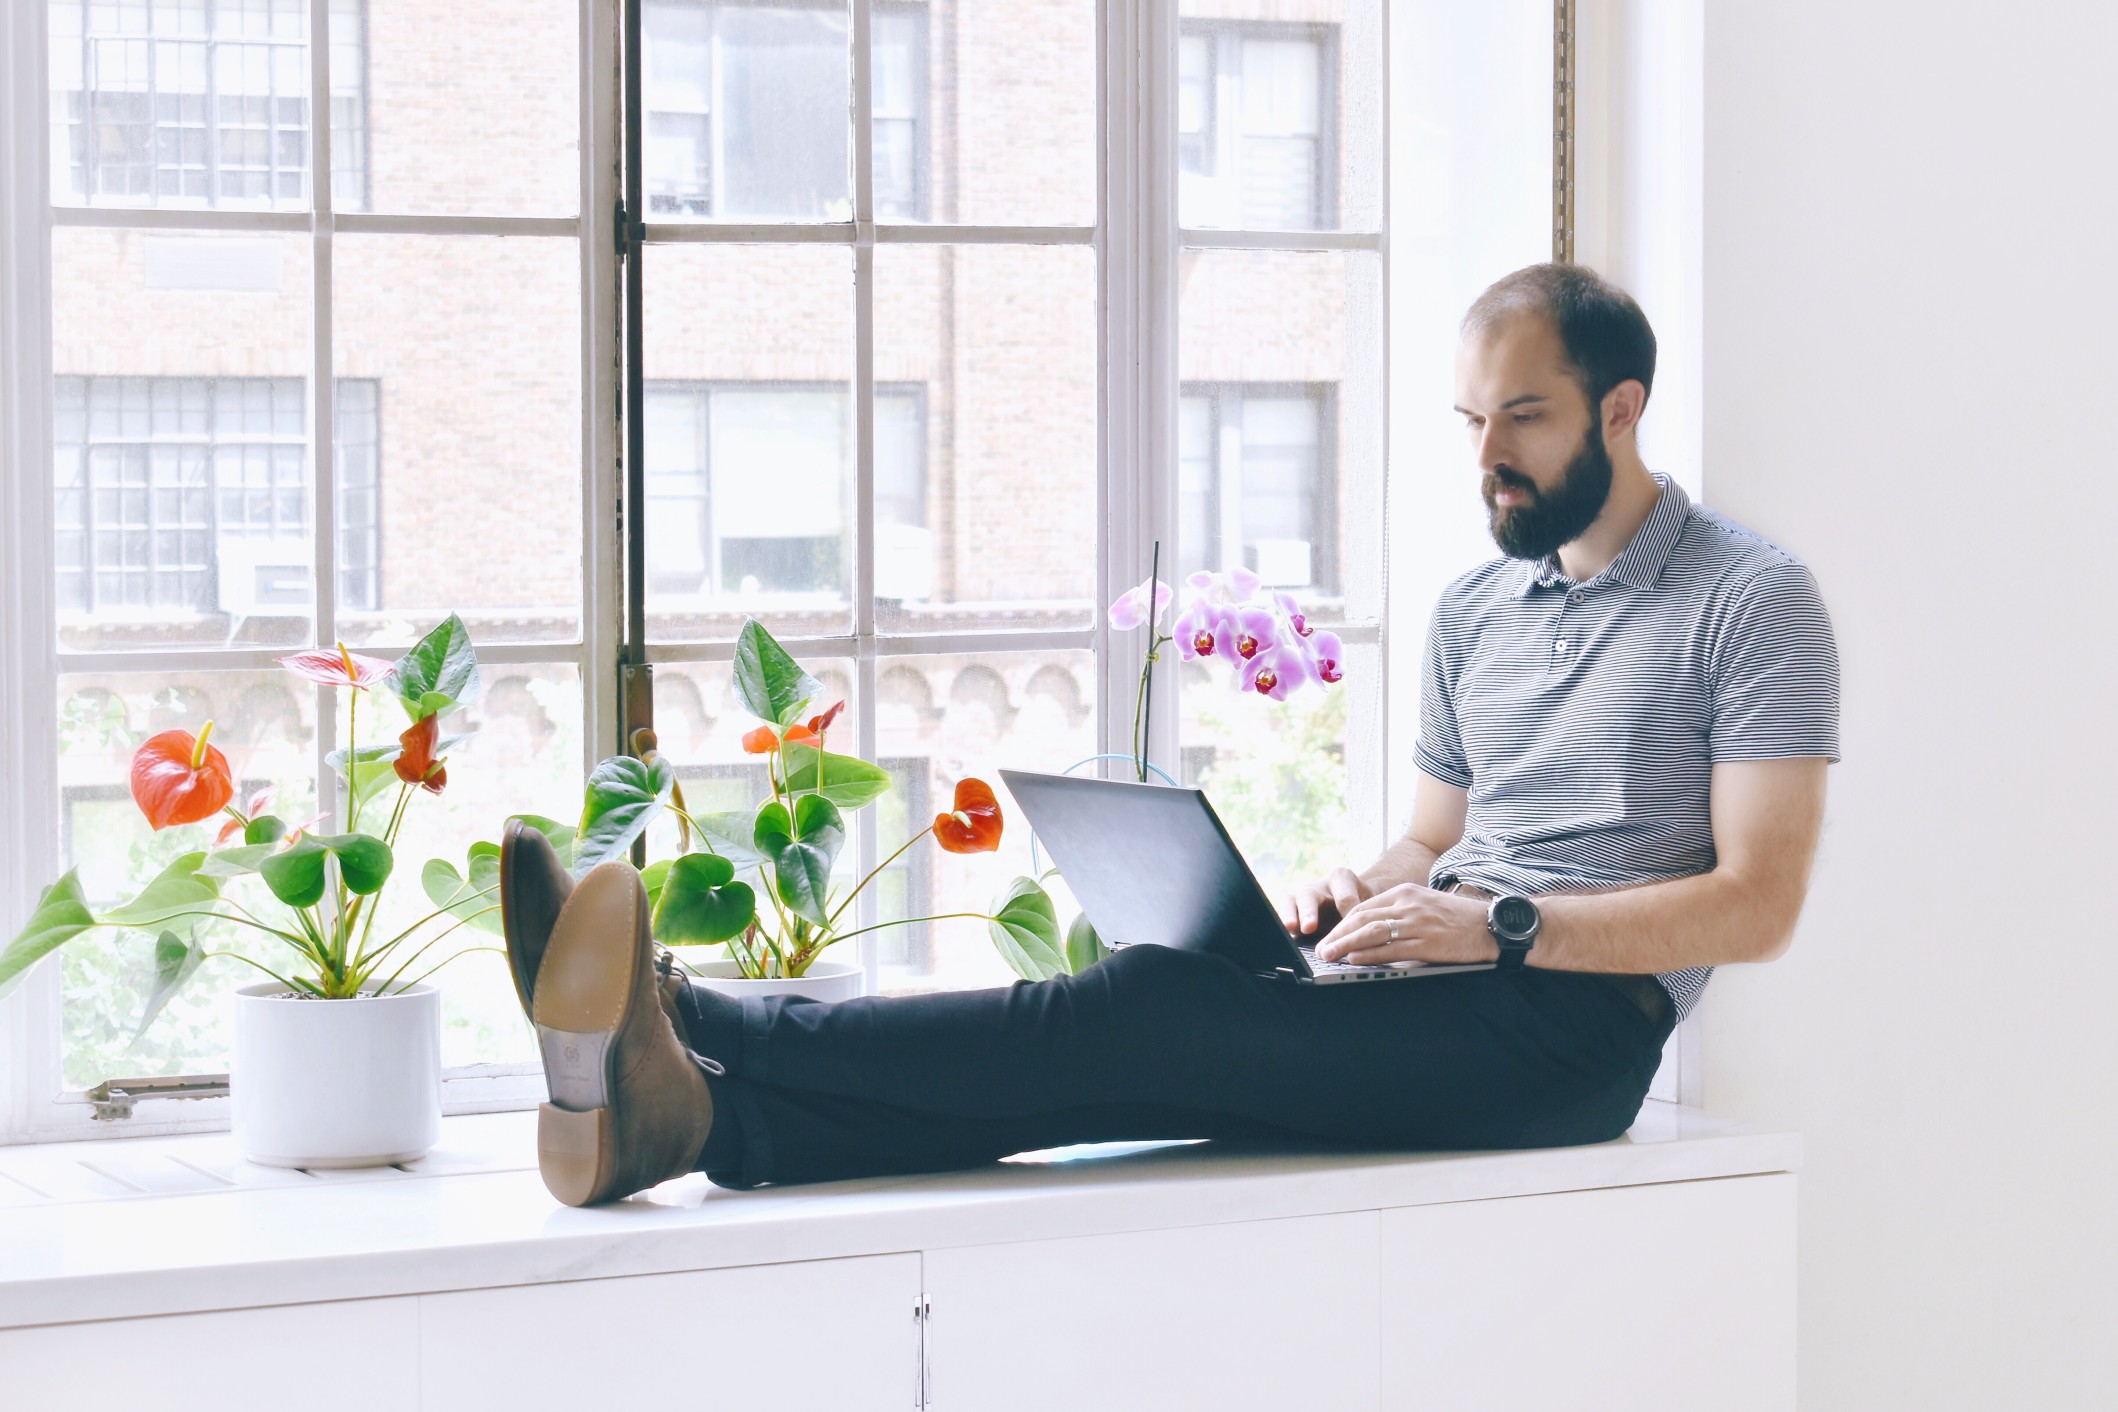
(1260, 1314)
(355, 1355)
(830, 1335)
(1634, 1299)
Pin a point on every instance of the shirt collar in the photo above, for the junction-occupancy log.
(1640, 563)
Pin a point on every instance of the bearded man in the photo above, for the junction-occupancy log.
(1623, 736)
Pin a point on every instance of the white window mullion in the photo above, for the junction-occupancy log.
(864, 840)
(602, 553)
(323, 506)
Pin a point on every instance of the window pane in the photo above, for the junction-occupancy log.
(749, 433)
(469, 108)
(265, 723)
(1006, 133)
(999, 344)
(1280, 422)
(1282, 774)
(524, 756)
(1279, 124)
(472, 347)
(180, 443)
(747, 111)
(940, 719)
(186, 103)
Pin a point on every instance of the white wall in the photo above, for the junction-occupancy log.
(1910, 369)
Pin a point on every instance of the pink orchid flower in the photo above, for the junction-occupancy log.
(1206, 630)
(1130, 611)
(1229, 589)
(1296, 618)
(1326, 657)
(1276, 672)
(1256, 631)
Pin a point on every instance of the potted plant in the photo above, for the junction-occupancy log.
(759, 884)
(337, 1054)
(1265, 639)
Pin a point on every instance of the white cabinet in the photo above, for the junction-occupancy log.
(1252, 1315)
(348, 1356)
(827, 1335)
(1632, 1299)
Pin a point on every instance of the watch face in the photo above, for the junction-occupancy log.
(1515, 918)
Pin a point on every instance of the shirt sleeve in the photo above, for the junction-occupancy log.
(1440, 749)
(1776, 671)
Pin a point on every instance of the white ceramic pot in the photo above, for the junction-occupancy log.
(336, 1083)
(825, 980)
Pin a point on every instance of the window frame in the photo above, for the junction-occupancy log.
(1137, 239)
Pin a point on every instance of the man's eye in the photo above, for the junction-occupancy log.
(1521, 417)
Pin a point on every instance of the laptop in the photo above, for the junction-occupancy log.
(1152, 865)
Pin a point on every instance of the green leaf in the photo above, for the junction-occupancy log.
(802, 850)
(560, 835)
(364, 861)
(624, 796)
(174, 960)
(61, 915)
(372, 769)
(1083, 947)
(653, 877)
(459, 893)
(731, 836)
(849, 781)
(177, 888)
(439, 672)
(237, 861)
(701, 903)
(770, 684)
(265, 828)
(296, 875)
(1025, 928)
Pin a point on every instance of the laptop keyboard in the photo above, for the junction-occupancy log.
(1322, 967)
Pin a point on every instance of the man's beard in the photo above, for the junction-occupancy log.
(1555, 517)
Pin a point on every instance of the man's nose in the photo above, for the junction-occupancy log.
(1492, 448)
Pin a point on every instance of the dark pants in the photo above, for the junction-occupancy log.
(1159, 1043)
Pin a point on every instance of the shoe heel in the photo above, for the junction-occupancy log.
(576, 1152)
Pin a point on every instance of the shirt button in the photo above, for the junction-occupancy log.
(1559, 647)
(1574, 597)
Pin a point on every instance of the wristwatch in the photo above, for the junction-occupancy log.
(1512, 919)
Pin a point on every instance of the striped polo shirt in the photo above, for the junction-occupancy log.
(1584, 718)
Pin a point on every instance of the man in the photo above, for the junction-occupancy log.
(1623, 739)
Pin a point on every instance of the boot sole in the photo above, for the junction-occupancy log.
(583, 995)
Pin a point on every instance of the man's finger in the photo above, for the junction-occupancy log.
(1345, 890)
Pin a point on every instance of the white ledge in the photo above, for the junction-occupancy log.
(475, 1215)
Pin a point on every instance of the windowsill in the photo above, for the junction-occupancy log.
(124, 1228)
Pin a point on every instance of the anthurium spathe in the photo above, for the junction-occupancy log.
(337, 667)
(417, 763)
(178, 778)
(974, 825)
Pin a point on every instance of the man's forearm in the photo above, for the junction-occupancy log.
(1709, 919)
(1405, 861)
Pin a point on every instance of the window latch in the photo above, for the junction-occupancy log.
(113, 1098)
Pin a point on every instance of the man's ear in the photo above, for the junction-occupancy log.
(1622, 408)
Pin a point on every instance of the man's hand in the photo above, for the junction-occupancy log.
(1324, 902)
(1410, 922)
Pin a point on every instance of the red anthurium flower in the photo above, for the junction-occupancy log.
(339, 668)
(822, 723)
(804, 735)
(180, 779)
(974, 827)
(415, 764)
(762, 741)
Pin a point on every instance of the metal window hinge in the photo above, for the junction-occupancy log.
(631, 234)
(923, 1362)
(113, 1098)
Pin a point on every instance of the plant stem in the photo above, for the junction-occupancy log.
(445, 961)
(352, 759)
(259, 964)
(908, 921)
(848, 902)
(1143, 709)
(424, 949)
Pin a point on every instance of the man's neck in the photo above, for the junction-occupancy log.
(1634, 494)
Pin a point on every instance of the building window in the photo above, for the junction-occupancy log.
(717, 528)
(1257, 482)
(200, 103)
(746, 105)
(1254, 125)
(193, 494)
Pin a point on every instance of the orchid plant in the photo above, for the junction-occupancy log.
(761, 882)
(329, 885)
(1227, 617)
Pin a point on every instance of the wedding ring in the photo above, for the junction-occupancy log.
(1393, 928)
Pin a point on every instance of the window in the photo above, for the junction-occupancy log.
(193, 494)
(745, 106)
(1255, 486)
(198, 102)
(1255, 104)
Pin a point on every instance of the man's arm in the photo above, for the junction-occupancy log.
(1438, 809)
(1766, 818)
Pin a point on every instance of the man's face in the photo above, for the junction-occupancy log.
(1547, 473)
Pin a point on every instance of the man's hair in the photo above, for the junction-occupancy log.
(1605, 335)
